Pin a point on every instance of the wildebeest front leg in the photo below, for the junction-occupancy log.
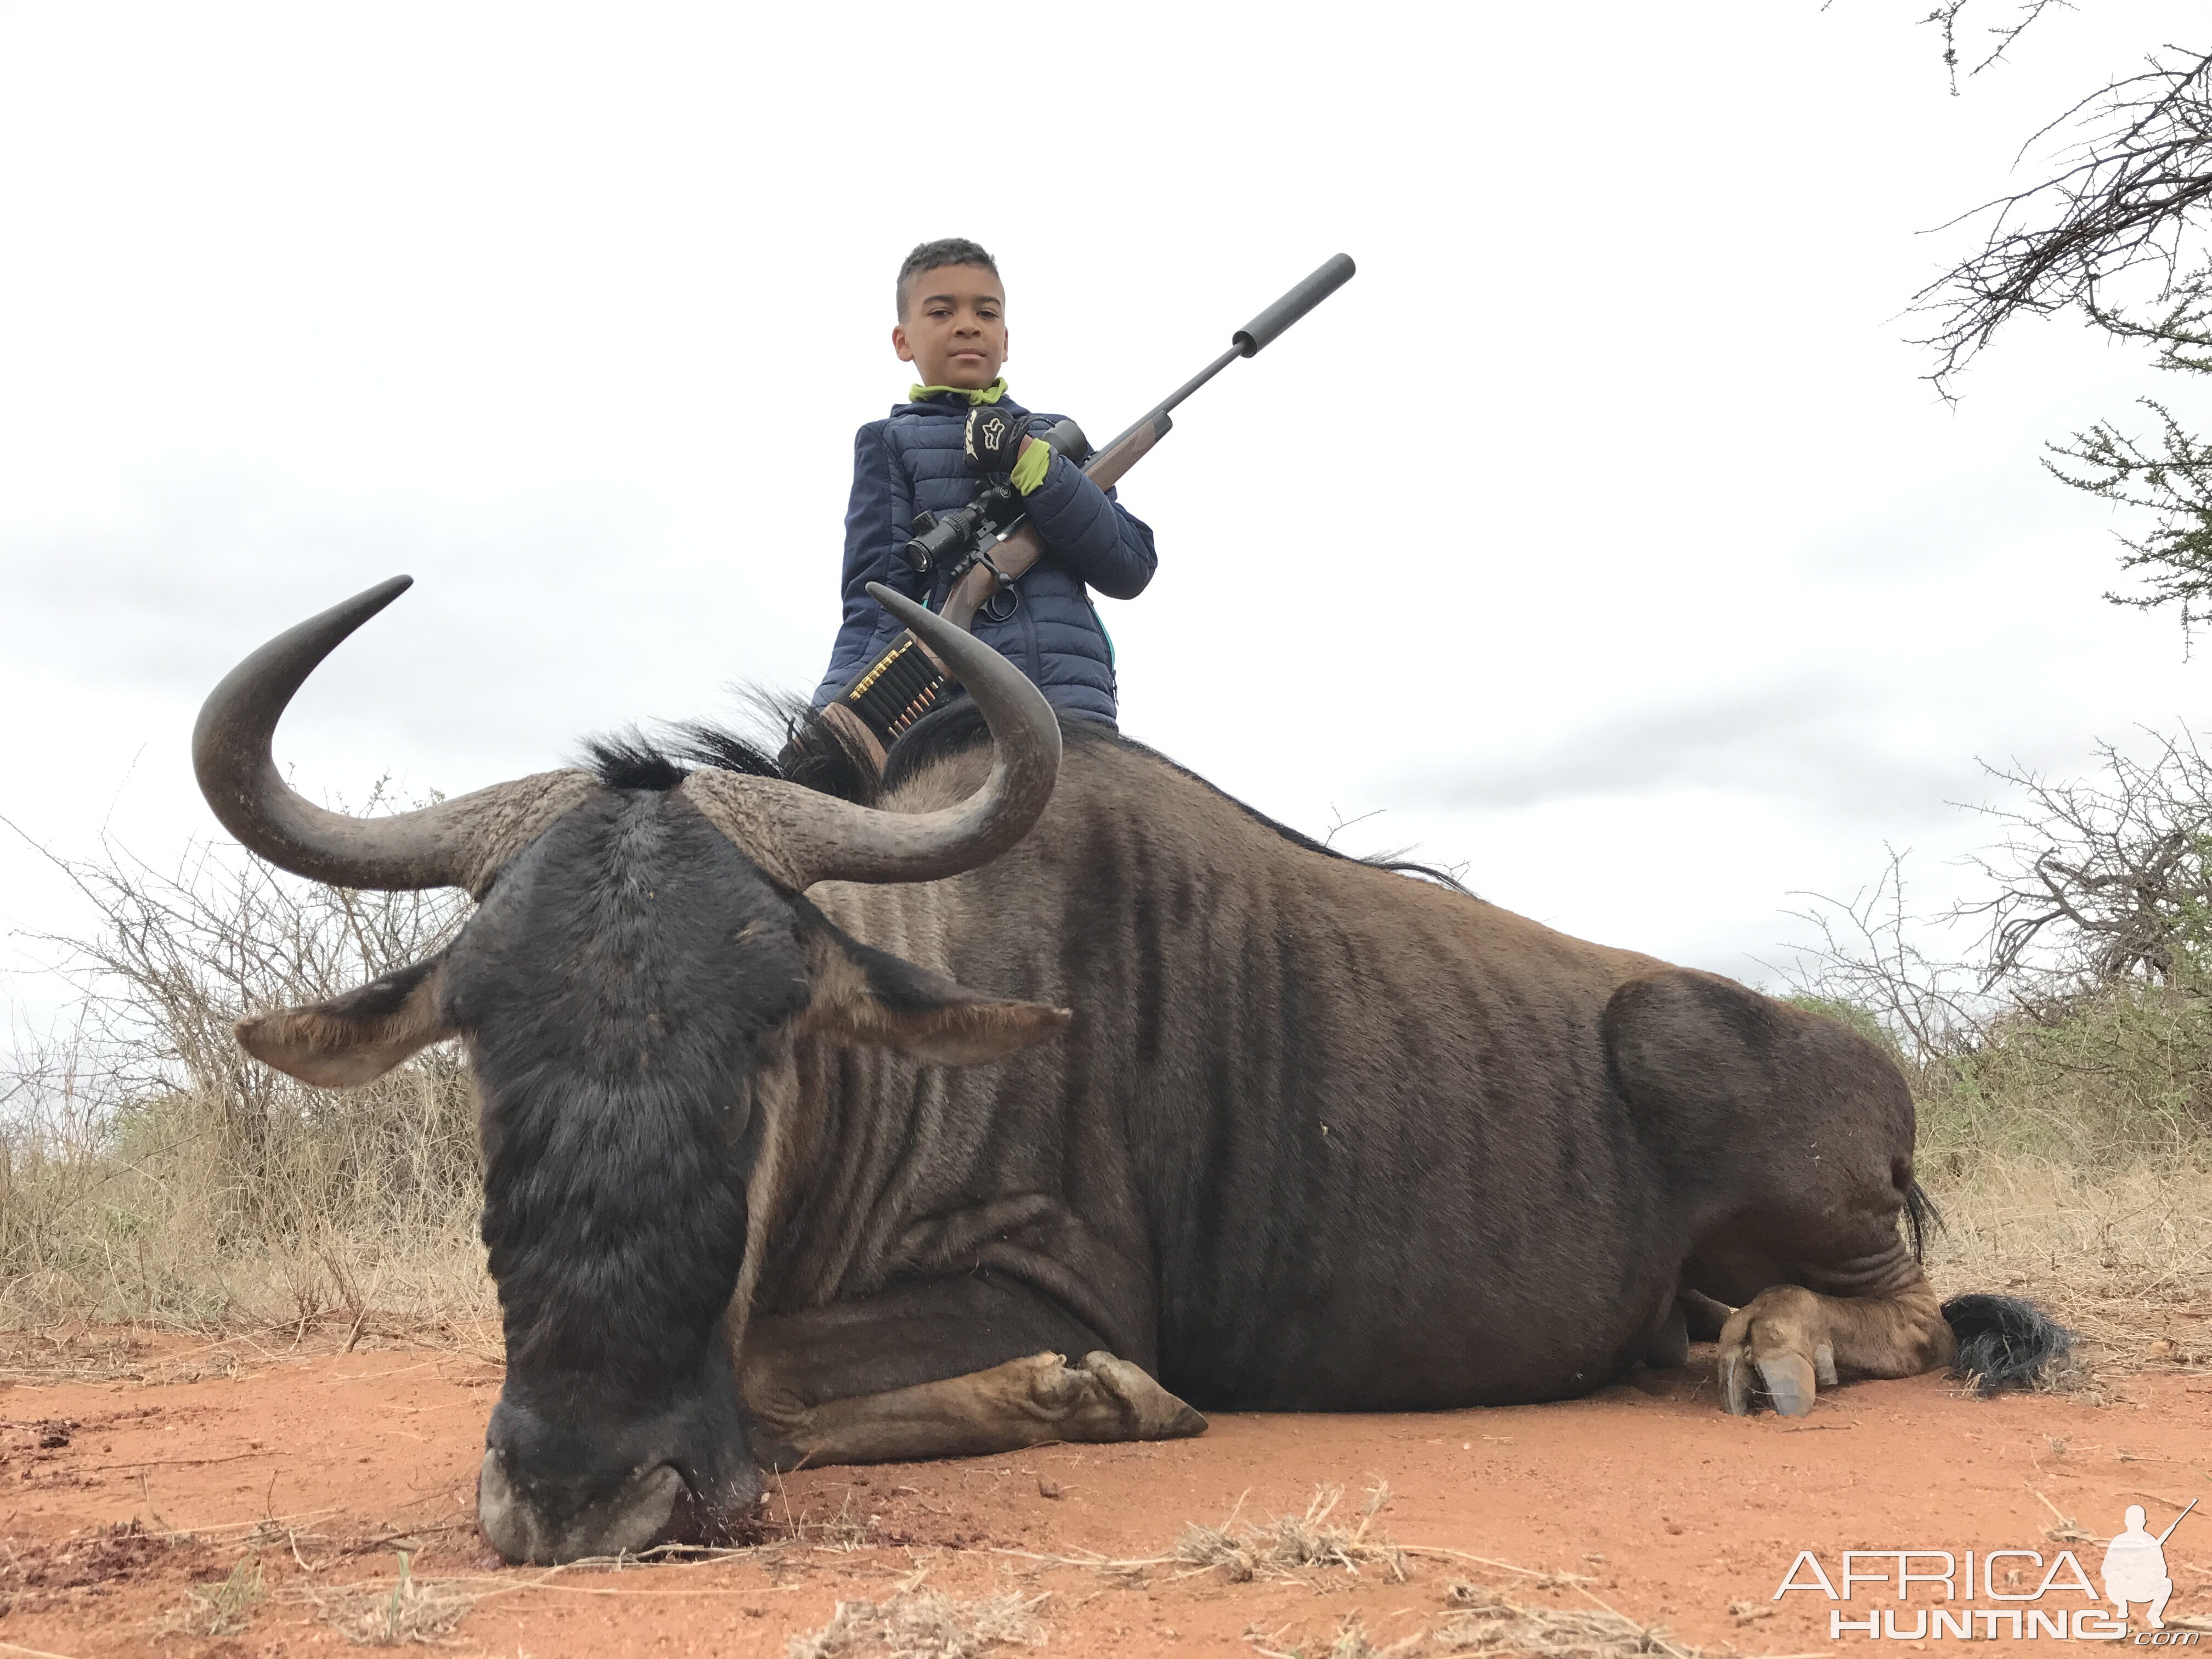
(1023, 1402)
(926, 1372)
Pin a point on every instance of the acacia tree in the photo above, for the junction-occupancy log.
(2119, 232)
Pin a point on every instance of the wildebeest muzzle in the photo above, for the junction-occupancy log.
(564, 1479)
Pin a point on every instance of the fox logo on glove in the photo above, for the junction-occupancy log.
(993, 440)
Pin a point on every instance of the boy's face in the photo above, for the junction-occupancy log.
(954, 332)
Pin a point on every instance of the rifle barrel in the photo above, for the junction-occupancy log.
(2178, 1520)
(1198, 380)
(1331, 276)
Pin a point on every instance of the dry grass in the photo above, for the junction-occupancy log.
(846, 1531)
(220, 1609)
(1349, 1640)
(71, 1353)
(1284, 1547)
(1483, 1622)
(408, 1610)
(150, 1173)
(1314, 1548)
(1291, 1543)
(2123, 1255)
(924, 1624)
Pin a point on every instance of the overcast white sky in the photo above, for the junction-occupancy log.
(1607, 535)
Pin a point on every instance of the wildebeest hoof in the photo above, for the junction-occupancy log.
(1786, 1379)
(1735, 1385)
(1153, 1414)
(1782, 1344)
(1774, 1346)
(1824, 1364)
(1789, 1382)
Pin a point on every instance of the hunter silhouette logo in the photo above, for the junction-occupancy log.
(2034, 1598)
(2135, 1566)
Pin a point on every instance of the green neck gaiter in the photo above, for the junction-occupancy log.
(989, 394)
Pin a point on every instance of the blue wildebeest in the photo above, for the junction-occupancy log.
(1037, 1096)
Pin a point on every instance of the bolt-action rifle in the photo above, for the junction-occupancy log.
(987, 544)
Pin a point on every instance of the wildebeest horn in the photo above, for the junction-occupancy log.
(456, 843)
(801, 837)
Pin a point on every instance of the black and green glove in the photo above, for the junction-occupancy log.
(993, 440)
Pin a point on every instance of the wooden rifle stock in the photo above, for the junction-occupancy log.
(1015, 554)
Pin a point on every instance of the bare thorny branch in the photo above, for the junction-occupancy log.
(2115, 231)
(2101, 882)
(1869, 957)
(1946, 16)
(2093, 886)
(2130, 194)
(181, 954)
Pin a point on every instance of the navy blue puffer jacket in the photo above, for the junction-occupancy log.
(910, 462)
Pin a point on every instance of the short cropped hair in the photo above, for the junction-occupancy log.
(945, 250)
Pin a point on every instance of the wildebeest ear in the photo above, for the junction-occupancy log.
(862, 995)
(355, 1038)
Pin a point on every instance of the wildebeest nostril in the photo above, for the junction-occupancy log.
(524, 1528)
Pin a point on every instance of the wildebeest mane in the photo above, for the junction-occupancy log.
(959, 726)
(631, 760)
(814, 756)
(823, 762)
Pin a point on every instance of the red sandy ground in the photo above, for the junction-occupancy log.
(1670, 1509)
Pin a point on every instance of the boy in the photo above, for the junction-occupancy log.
(953, 327)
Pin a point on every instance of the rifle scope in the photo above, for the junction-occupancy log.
(934, 539)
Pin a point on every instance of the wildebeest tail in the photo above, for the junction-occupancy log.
(2003, 1342)
(1921, 1217)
